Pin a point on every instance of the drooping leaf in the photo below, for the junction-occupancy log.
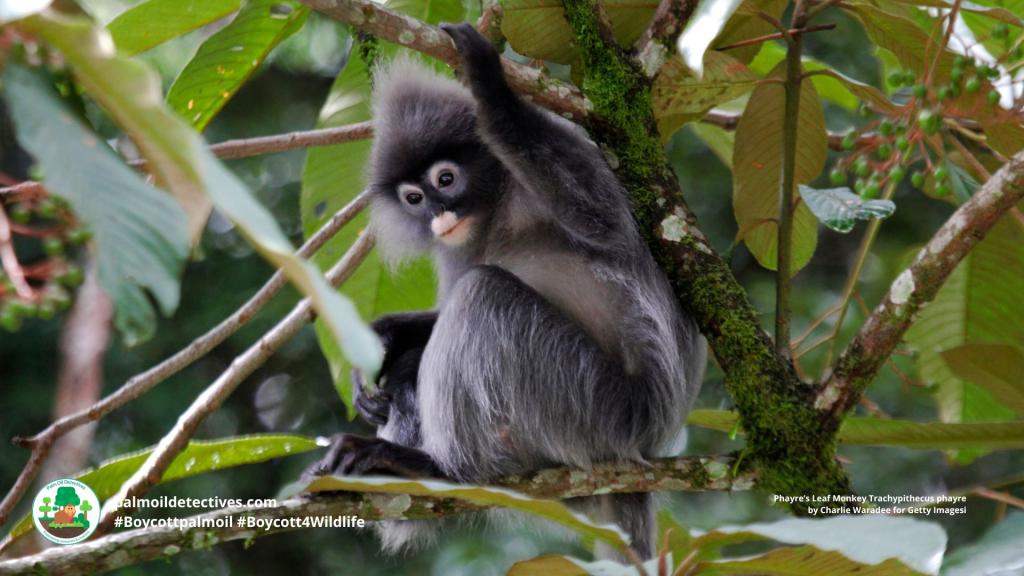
(538, 29)
(706, 22)
(481, 495)
(130, 92)
(199, 457)
(997, 553)
(866, 431)
(226, 59)
(908, 41)
(886, 544)
(154, 22)
(839, 208)
(11, 10)
(141, 234)
(748, 23)
(995, 367)
(757, 176)
(678, 96)
(554, 565)
(982, 302)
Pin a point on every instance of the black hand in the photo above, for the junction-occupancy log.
(481, 64)
(374, 409)
(357, 455)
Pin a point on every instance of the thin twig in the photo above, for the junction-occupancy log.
(9, 260)
(152, 470)
(139, 384)
(775, 36)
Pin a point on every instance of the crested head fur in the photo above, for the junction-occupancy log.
(419, 115)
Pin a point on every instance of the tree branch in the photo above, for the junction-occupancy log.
(42, 442)
(655, 44)
(139, 545)
(916, 286)
(152, 470)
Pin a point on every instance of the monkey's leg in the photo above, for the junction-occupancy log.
(350, 455)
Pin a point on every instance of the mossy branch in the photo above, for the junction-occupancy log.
(163, 542)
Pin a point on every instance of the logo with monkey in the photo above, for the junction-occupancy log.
(65, 511)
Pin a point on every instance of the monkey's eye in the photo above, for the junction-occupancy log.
(414, 198)
(411, 195)
(445, 179)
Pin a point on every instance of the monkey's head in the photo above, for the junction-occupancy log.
(432, 179)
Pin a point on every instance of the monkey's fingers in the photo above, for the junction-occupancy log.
(480, 61)
(374, 409)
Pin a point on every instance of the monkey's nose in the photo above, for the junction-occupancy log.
(443, 223)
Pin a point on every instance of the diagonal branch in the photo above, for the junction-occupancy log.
(917, 286)
(139, 384)
(139, 545)
(655, 44)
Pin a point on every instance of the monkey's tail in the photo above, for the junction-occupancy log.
(633, 513)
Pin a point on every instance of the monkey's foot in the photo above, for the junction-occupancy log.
(351, 455)
(374, 409)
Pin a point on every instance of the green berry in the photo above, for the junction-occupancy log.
(53, 246)
(960, 61)
(21, 214)
(895, 79)
(941, 173)
(909, 78)
(861, 168)
(956, 75)
(860, 185)
(46, 310)
(871, 192)
(973, 85)
(917, 179)
(9, 320)
(849, 141)
(47, 208)
(58, 297)
(79, 236)
(929, 121)
(920, 91)
(993, 97)
(884, 151)
(984, 70)
(837, 177)
(72, 277)
(945, 93)
(941, 190)
(902, 143)
(22, 308)
(885, 128)
(896, 174)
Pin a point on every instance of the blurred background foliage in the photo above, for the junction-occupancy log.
(293, 391)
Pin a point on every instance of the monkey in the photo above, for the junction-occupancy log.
(556, 341)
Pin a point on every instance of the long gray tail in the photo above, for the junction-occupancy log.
(633, 513)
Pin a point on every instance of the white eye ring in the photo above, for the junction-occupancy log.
(444, 170)
(410, 195)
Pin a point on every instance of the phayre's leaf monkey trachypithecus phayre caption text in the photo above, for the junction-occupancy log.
(557, 339)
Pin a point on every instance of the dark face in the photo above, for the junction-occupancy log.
(451, 198)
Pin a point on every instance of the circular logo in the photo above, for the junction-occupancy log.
(66, 511)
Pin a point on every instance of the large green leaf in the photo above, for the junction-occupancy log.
(757, 171)
(804, 561)
(905, 39)
(538, 29)
(839, 208)
(997, 553)
(982, 302)
(130, 92)
(481, 495)
(199, 457)
(679, 96)
(888, 432)
(706, 22)
(747, 23)
(141, 234)
(226, 59)
(154, 22)
(333, 176)
(995, 367)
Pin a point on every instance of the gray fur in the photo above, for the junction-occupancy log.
(559, 340)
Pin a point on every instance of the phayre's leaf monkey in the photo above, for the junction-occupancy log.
(557, 339)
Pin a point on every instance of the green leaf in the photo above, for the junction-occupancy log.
(719, 140)
(1002, 136)
(982, 302)
(748, 23)
(538, 29)
(154, 22)
(995, 367)
(997, 553)
(141, 234)
(706, 22)
(226, 59)
(859, 430)
(481, 495)
(11, 10)
(333, 176)
(830, 88)
(909, 42)
(678, 96)
(757, 170)
(888, 544)
(199, 457)
(839, 208)
(130, 92)
(554, 565)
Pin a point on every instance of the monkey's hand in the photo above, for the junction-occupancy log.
(351, 455)
(373, 408)
(481, 64)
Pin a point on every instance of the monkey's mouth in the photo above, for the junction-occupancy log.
(449, 228)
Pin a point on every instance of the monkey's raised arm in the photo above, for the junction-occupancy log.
(544, 152)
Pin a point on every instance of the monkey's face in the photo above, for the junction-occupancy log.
(442, 198)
